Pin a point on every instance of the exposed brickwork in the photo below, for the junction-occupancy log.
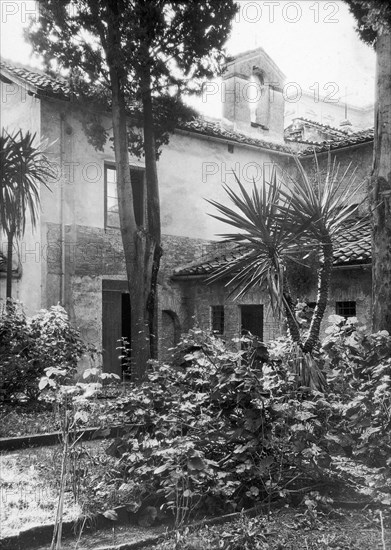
(95, 254)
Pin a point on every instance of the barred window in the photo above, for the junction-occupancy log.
(217, 319)
(345, 309)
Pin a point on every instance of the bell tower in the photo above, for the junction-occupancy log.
(252, 93)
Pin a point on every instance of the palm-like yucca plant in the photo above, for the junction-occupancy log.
(23, 168)
(282, 221)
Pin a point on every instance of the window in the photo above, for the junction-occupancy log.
(137, 177)
(345, 309)
(217, 319)
(230, 148)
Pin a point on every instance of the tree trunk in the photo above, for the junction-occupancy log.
(380, 190)
(154, 250)
(142, 246)
(293, 327)
(324, 276)
(134, 239)
(10, 237)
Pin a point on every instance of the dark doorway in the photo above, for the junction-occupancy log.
(252, 320)
(115, 323)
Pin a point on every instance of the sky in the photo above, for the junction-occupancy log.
(313, 42)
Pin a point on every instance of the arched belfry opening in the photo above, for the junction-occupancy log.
(260, 98)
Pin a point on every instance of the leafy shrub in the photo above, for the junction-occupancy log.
(29, 345)
(58, 344)
(18, 374)
(216, 431)
(360, 378)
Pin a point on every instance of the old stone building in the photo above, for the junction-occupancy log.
(75, 255)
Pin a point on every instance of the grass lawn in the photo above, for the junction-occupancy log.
(18, 420)
(29, 484)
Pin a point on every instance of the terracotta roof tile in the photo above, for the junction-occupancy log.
(49, 86)
(363, 136)
(45, 84)
(201, 126)
(324, 127)
(352, 247)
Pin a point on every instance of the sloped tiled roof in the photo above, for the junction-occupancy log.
(43, 83)
(363, 136)
(48, 86)
(353, 247)
(324, 127)
(207, 128)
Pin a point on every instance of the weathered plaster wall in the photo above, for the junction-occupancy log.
(359, 157)
(325, 106)
(21, 110)
(95, 254)
(191, 168)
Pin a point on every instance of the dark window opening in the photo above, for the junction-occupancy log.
(217, 321)
(252, 320)
(230, 148)
(137, 177)
(345, 309)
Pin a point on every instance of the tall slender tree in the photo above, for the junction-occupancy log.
(24, 168)
(374, 28)
(136, 50)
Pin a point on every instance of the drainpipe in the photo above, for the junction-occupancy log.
(62, 223)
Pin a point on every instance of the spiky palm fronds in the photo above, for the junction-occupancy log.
(23, 167)
(285, 219)
(263, 240)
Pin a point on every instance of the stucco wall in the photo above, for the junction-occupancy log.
(326, 106)
(21, 110)
(359, 158)
(191, 168)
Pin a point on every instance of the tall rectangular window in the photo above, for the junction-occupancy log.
(252, 320)
(217, 319)
(345, 309)
(137, 178)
